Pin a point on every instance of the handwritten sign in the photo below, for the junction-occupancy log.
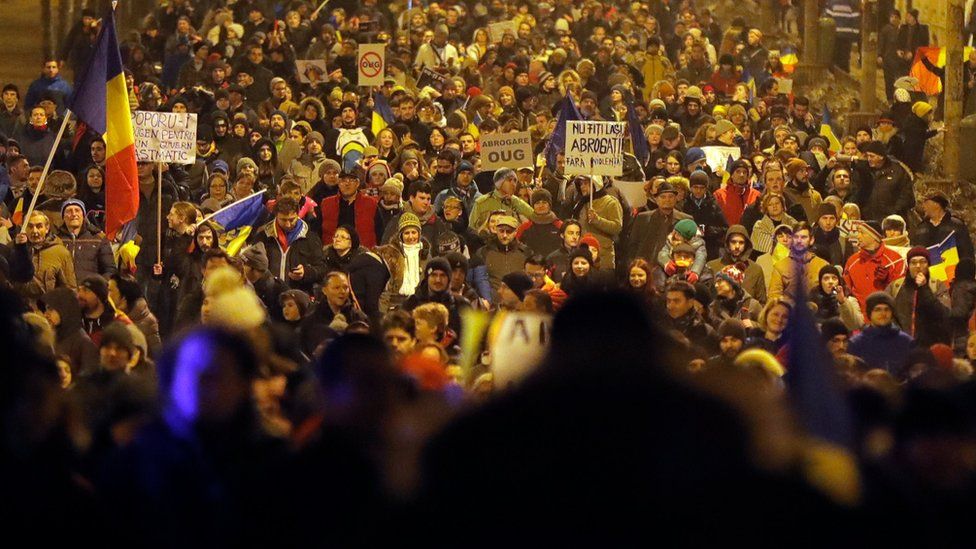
(167, 137)
(595, 148)
(718, 157)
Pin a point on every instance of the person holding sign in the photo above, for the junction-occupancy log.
(600, 214)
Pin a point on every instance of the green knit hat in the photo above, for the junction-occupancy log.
(408, 219)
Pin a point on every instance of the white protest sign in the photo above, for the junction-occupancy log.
(520, 345)
(633, 191)
(372, 64)
(506, 150)
(595, 148)
(166, 137)
(785, 85)
(718, 157)
(497, 30)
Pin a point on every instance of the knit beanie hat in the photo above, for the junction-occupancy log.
(255, 257)
(723, 126)
(541, 195)
(874, 228)
(581, 251)
(943, 355)
(893, 222)
(74, 202)
(392, 184)
(98, 286)
(733, 274)
(826, 270)
(732, 327)
(518, 282)
(758, 358)
(117, 333)
(833, 327)
(590, 241)
(694, 154)
(794, 166)
(686, 228)
(438, 264)
(408, 219)
(698, 177)
(447, 242)
(246, 161)
(918, 251)
(921, 108)
(879, 298)
(826, 209)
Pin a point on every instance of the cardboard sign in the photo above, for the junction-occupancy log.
(497, 30)
(506, 150)
(718, 157)
(595, 148)
(633, 191)
(371, 63)
(312, 71)
(165, 137)
(519, 346)
(785, 85)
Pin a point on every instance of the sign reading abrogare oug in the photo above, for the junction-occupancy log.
(506, 150)
(167, 137)
(595, 148)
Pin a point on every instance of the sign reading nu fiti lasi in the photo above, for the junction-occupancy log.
(506, 150)
(595, 148)
(165, 137)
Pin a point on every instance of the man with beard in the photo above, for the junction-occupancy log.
(96, 310)
(737, 250)
(444, 174)
(349, 131)
(801, 259)
(18, 170)
(827, 236)
(800, 192)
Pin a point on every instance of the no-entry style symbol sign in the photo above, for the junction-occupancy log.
(372, 64)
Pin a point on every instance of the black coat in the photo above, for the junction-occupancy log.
(890, 192)
(709, 217)
(926, 234)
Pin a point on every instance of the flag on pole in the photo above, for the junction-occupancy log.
(382, 113)
(928, 81)
(101, 101)
(944, 257)
(557, 141)
(243, 213)
(638, 140)
(827, 131)
(750, 81)
(819, 405)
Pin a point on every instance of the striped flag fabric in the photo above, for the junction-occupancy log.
(638, 140)
(101, 101)
(827, 131)
(243, 213)
(944, 257)
(929, 82)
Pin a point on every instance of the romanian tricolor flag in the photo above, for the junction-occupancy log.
(929, 82)
(101, 102)
(239, 216)
(944, 258)
(789, 59)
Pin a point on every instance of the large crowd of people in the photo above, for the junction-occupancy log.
(315, 375)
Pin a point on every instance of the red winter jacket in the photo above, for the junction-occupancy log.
(866, 273)
(365, 208)
(733, 201)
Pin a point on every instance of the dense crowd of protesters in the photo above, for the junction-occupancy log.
(308, 385)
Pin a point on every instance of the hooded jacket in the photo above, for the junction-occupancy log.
(754, 282)
(71, 340)
(305, 250)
